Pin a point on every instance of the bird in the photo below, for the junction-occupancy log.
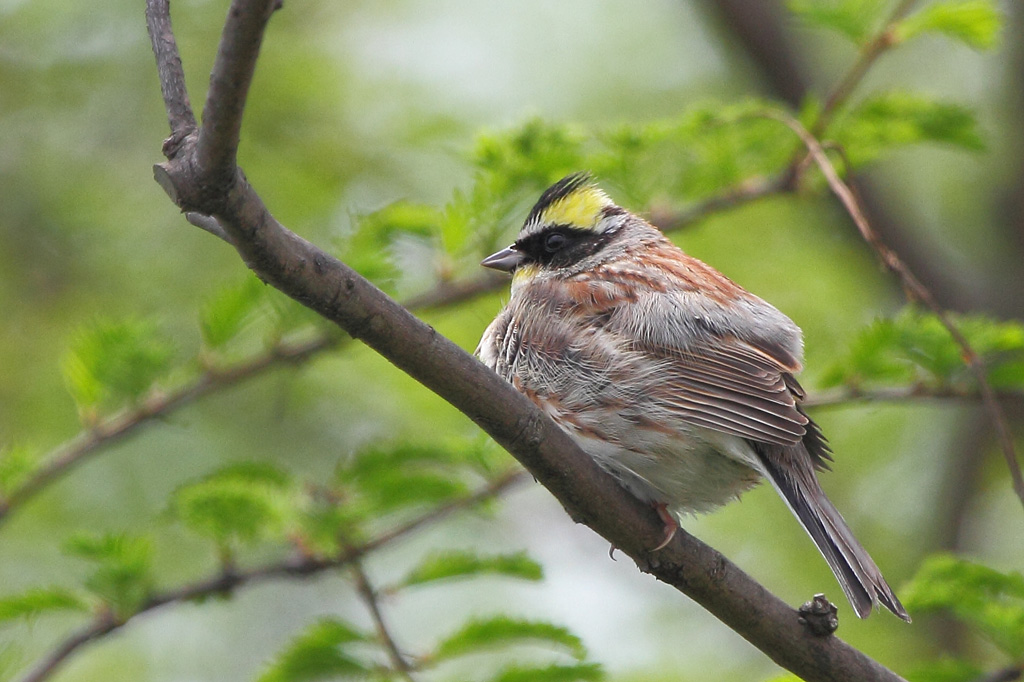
(674, 379)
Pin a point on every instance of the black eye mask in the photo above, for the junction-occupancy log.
(561, 245)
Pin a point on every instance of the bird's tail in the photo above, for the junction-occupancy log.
(795, 480)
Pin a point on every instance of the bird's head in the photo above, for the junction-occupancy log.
(570, 222)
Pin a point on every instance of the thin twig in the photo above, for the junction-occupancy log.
(372, 602)
(745, 192)
(916, 291)
(869, 53)
(296, 567)
(168, 64)
(843, 396)
(103, 625)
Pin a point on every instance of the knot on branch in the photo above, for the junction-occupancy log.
(191, 186)
(820, 616)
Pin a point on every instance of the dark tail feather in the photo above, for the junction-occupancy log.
(792, 474)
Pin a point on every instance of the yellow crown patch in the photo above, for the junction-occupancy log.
(580, 208)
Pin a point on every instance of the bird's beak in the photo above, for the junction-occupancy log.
(506, 260)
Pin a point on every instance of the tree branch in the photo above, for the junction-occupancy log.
(370, 598)
(229, 87)
(104, 624)
(337, 292)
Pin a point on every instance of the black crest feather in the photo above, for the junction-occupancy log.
(559, 190)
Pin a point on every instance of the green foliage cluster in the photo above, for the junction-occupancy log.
(39, 601)
(707, 149)
(452, 565)
(856, 20)
(122, 575)
(112, 363)
(914, 349)
(238, 505)
(669, 164)
(882, 123)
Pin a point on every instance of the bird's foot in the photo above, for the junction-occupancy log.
(671, 525)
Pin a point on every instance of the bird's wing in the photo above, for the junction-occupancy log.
(741, 386)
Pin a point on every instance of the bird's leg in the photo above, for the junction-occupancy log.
(671, 525)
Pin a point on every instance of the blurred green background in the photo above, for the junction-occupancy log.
(360, 104)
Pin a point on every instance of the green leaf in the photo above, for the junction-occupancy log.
(122, 577)
(587, 672)
(392, 478)
(318, 654)
(975, 22)
(114, 362)
(242, 503)
(991, 601)
(500, 631)
(16, 465)
(883, 122)
(858, 20)
(41, 601)
(228, 314)
(441, 454)
(449, 565)
(394, 490)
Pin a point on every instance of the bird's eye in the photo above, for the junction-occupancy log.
(554, 242)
